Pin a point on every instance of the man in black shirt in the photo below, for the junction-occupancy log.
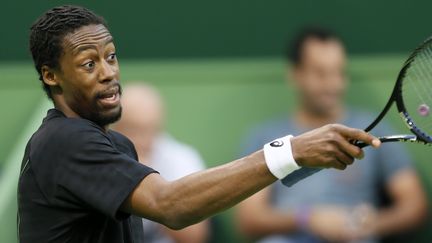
(80, 181)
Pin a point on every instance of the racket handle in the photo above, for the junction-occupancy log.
(299, 175)
(393, 138)
(360, 144)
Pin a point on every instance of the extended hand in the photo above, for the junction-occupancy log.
(330, 146)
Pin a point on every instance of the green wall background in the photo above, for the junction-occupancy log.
(197, 28)
(212, 104)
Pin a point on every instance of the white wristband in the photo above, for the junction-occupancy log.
(279, 157)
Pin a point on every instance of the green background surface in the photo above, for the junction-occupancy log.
(211, 105)
(202, 28)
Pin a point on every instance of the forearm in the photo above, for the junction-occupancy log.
(195, 197)
(203, 194)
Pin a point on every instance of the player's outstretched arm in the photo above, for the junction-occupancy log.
(195, 197)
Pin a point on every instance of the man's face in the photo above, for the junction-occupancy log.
(320, 77)
(88, 78)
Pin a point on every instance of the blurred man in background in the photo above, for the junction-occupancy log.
(331, 206)
(142, 122)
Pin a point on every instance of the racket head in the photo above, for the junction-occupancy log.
(413, 92)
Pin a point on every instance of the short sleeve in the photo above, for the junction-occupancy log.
(92, 171)
(393, 157)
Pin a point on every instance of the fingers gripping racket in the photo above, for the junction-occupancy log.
(413, 97)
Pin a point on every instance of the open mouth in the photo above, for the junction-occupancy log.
(110, 97)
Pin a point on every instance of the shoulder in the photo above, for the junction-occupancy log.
(123, 144)
(60, 141)
(120, 138)
(69, 130)
(62, 136)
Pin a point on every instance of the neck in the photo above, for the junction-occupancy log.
(311, 119)
(60, 104)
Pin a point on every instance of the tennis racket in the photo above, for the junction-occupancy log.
(412, 94)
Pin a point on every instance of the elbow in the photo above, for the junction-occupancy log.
(177, 221)
(175, 225)
(174, 214)
(197, 233)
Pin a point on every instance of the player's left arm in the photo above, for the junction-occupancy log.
(409, 204)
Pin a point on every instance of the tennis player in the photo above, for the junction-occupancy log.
(80, 181)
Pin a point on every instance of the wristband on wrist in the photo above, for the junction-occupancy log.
(279, 157)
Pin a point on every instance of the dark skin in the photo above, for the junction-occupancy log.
(88, 68)
(89, 72)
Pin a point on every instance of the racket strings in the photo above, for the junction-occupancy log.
(417, 89)
(426, 65)
(418, 75)
(419, 72)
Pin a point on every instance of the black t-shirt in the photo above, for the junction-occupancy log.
(74, 177)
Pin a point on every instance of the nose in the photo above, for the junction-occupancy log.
(107, 72)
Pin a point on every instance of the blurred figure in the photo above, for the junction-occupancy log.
(142, 122)
(331, 206)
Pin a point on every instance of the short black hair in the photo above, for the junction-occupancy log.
(47, 33)
(295, 48)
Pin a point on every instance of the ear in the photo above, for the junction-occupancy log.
(49, 76)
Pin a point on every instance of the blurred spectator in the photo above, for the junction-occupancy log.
(142, 121)
(332, 206)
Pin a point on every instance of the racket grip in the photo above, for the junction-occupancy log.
(360, 144)
(298, 175)
(388, 139)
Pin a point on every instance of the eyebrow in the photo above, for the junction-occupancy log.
(92, 46)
